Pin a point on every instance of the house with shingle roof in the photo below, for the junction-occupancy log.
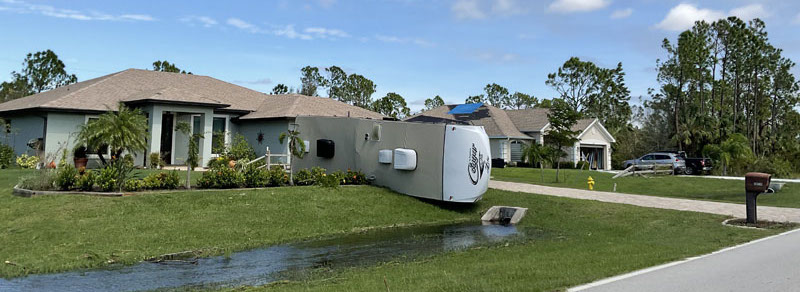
(510, 130)
(211, 106)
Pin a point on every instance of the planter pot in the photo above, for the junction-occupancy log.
(51, 165)
(80, 162)
(232, 163)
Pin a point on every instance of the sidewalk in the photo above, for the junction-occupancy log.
(729, 209)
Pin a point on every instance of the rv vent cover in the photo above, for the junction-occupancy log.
(405, 159)
(325, 148)
(385, 156)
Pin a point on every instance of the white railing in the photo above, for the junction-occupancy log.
(282, 160)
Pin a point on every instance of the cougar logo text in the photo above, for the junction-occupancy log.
(477, 165)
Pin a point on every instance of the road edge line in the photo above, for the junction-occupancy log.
(670, 264)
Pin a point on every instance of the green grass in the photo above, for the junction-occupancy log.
(589, 241)
(699, 188)
(56, 233)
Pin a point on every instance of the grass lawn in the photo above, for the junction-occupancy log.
(589, 240)
(664, 185)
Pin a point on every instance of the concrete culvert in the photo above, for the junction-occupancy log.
(504, 215)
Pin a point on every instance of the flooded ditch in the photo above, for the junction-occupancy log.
(265, 265)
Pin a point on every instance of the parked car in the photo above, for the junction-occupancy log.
(678, 163)
(694, 165)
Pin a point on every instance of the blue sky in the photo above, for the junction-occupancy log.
(415, 48)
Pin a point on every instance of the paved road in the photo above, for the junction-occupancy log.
(735, 210)
(770, 264)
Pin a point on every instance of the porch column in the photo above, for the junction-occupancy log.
(205, 143)
(155, 131)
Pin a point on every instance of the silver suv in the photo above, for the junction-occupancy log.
(678, 163)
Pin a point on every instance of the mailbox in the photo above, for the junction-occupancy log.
(756, 182)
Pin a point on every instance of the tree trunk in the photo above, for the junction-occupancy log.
(188, 176)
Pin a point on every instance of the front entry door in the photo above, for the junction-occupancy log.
(166, 137)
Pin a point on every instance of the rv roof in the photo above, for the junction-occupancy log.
(465, 109)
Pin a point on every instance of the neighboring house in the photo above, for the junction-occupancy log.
(510, 130)
(209, 105)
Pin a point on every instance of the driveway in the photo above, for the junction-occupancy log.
(728, 209)
(768, 264)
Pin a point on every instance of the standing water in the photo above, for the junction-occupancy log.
(265, 265)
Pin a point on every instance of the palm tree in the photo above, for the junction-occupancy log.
(191, 157)
(296, 148)
(734, 148)
(536, 153)
(123, 130)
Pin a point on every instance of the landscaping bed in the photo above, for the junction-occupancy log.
(719, 190)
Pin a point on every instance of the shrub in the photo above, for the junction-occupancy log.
(582, 165)
(328, 181)
(221, 161)
(26, 161)
(355, 178)
(85, 181)
(240, 149)
(43, 180)
(133, 185)
(317, 173)
(221, 178)
(303, 177)
(107, 179)
(67, 177)
(255, 177)
(155, 161)
(162, 181)
(565, 165)
(775, 166)
(6, 156)
(278, 176)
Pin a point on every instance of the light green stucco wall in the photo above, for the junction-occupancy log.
(271, 130)
(62, 128)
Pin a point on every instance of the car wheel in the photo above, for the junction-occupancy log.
(688, 171)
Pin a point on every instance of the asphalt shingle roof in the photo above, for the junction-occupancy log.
(495, 121)
(105, 92)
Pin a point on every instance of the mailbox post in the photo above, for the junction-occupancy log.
(755, 183)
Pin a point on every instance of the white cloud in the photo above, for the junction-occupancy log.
(684, 15)
(326, 3)
(507, 7)
(404, 40)
(467, 9)
(262, 81)
(750, 12)
(205, 21)
(495, 57)
(289, 32)
(322, 32)
(23, 7)
(140, 17)
(243, 25)
(570, 6)
(622, 13)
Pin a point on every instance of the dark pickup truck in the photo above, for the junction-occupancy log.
(694, 165)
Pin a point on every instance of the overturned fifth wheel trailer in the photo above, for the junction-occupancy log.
(433, 161)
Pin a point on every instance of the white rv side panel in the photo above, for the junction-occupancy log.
(467, 164)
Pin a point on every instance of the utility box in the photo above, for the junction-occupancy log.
(757, 182)
(326, 148)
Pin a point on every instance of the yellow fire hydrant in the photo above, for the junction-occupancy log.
(590, 181)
